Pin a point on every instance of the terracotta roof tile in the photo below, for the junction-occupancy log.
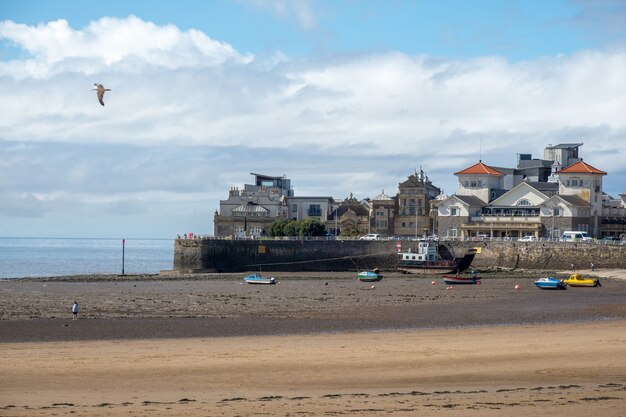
(581, 168)
(479, 168)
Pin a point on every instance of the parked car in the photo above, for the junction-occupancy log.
(527, 239)
(370, 236)
(575, 236)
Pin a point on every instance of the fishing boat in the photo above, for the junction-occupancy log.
(550, 283)
(369, 276)
(461, 279)
(429, 259)
(259, 279)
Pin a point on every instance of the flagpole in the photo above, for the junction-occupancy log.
(123, 244)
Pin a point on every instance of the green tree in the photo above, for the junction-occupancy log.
(277, 228)
(311, 227)
(290, 228)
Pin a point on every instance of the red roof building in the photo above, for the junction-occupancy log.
(581, 168)
(479, 169)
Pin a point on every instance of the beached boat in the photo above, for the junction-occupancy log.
(461, 279)
(259, 279)
(428, 259)
(576, 280)
(369, 276)
(550, 283)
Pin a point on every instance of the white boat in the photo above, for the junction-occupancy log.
(259, 279)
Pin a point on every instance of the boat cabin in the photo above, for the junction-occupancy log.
(426, 251)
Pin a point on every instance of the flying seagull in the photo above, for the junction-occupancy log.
(99, 88)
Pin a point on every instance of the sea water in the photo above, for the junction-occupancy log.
(43, 257)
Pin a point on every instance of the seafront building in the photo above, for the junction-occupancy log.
(250, 212)
(539, 198)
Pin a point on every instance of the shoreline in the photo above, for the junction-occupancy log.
(165, 275)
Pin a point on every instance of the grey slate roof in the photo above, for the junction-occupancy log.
(575, 200)
(471, 200)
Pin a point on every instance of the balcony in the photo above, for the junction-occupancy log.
(505, 219)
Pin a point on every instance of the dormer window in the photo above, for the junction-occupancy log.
(524, 202)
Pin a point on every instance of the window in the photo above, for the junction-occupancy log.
(453, 211)
(472, 183)
(315, 210)
(524, 202)
(411, 224)
(466, 183)
(403, 224)
(294, 208)
(557, 211)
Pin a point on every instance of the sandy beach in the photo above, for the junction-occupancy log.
(314, 346)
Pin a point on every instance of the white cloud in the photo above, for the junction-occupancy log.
(189, 115)
(128, 44)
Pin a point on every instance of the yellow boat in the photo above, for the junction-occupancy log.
(576, 280)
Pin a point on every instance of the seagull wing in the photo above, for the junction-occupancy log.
(101, 96)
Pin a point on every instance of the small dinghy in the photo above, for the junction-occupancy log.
(369, 276)
(550, 283)
(259, 279)
(461, 279)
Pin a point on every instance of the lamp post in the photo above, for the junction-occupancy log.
(123, 245)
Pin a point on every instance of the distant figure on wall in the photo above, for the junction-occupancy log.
(75, 311)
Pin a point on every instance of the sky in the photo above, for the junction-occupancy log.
(340, 96)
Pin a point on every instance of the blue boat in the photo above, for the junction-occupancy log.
(369, 276)
(259, 279)
(550, 283)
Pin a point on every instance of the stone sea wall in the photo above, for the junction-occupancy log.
(545, 255)
(207, 255)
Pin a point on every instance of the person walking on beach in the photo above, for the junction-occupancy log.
(75, 311)
(593, 267)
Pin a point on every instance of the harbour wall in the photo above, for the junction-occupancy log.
(213, 255)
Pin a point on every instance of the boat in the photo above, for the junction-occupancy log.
(259, 279)
(550, 283)
(461, 279)
(369, 276)
(429, 259)
(576, 280)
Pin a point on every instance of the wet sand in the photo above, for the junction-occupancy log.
(314, 345)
